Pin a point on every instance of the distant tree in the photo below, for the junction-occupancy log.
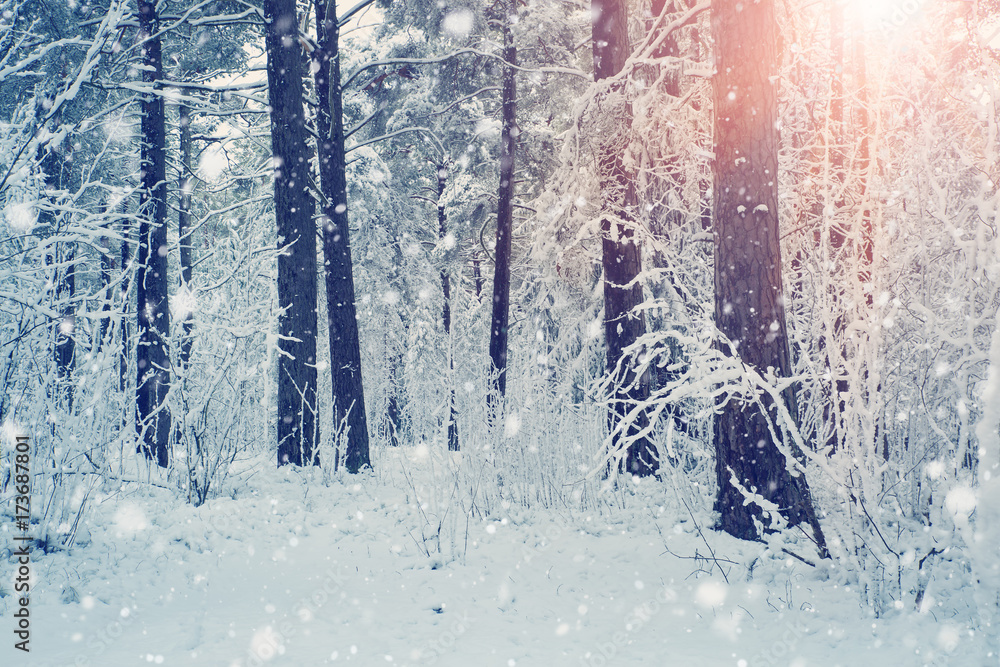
(61, 262)
(442, 183)
(505, 209)
(749, 299)
(427, 116)
(298, 430)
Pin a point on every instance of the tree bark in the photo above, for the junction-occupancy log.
(153, 313)
(298, 430)
(749, 300)
(345, 346)
(621, 257)
(499, 322)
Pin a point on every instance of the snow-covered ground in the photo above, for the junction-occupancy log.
(403, 567)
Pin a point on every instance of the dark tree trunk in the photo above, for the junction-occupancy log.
(153, 313)
(298, 430)
(505, 215)
(663, 218)
(64, 279)
(184, 231)
(477, 276)
(107, 269)
(345, 346)
(393, 413)
(621, 257)
(749, 298)
(65, 346)
(668, 48)
(442, 179)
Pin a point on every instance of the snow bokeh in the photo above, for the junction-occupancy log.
(130, 518)
(21, 217)
(960, 503)
(458, 23)
(183, 302)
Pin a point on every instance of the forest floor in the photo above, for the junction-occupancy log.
(303, 568)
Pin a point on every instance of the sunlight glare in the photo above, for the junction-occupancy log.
(213, 162)
(887, 17)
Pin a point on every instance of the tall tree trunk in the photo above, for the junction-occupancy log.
(442, 179)
(153, 313)
(345, 346)
(662, 218)
(64, 281)
(65, 342)
(393, 420)
(749, 301)
(621, 257)
(107, 269)
(298, 430)
(184, 232)
(505, 216)
(477, 275)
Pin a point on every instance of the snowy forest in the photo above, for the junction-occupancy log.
(511, 332)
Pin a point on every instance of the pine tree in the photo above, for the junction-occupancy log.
(749, 300)
(152, 313)
(345, 345)
(298, 430)
(505, 211)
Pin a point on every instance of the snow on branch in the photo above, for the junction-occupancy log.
(427, 132)
(455, 54)
(350, 13)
